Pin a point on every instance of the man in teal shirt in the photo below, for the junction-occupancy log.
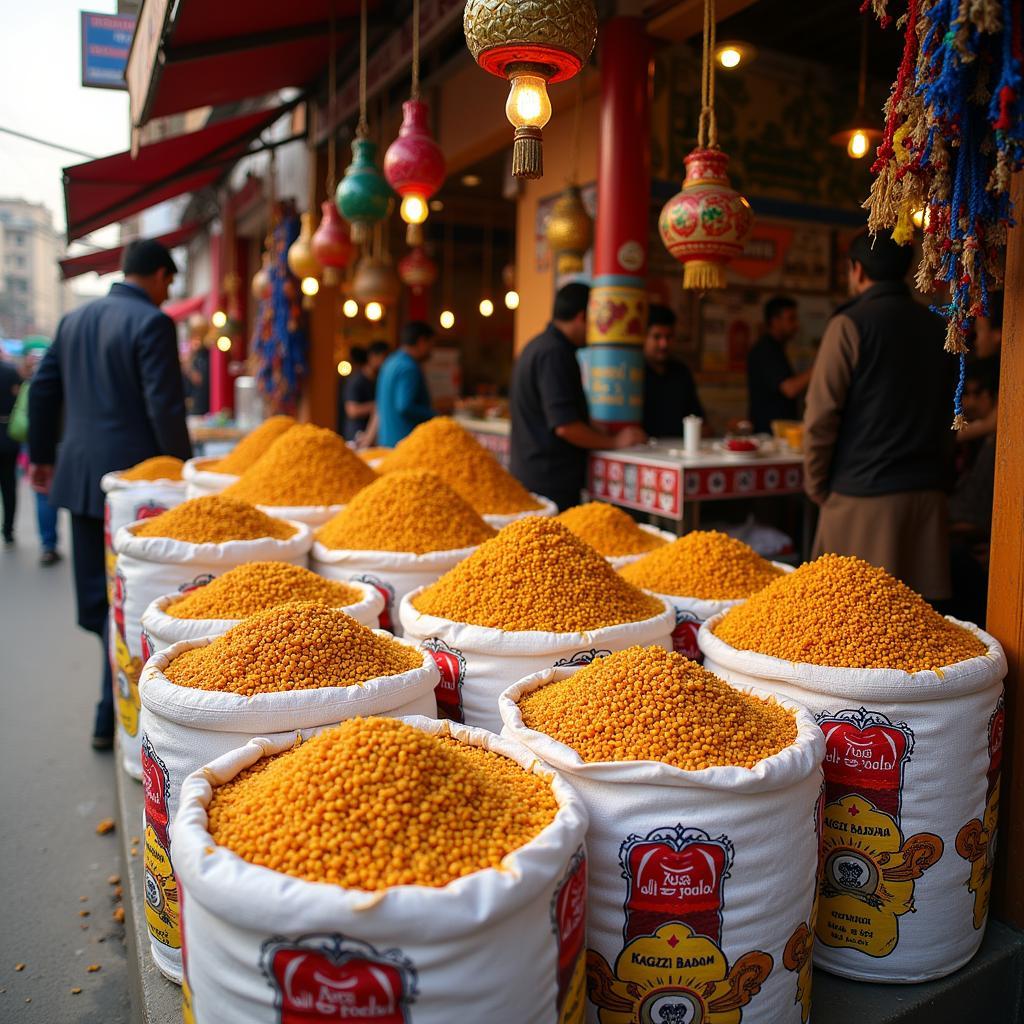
(403, 401)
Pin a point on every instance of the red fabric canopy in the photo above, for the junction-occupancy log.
(180, 309)
(107, 261)
(107, 190)
(213, 53)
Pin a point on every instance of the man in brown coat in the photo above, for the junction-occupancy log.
(877, 425)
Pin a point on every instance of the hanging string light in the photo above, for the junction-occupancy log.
(363, 197)
(414, 164)
(705, 225)
(859, 137)
(486, 303)
(447, 317)
(301, 261)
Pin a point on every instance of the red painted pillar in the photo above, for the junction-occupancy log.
(617, 317)
(419, 303)
(220, 382)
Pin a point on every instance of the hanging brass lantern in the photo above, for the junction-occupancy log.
(260, 285)
(301, 261)
(569, 231)
(375, 281)
(530, 45)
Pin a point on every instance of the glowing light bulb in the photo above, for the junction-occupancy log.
(730, 57)
(528, 105)
(447, 319)
(858, 144)
(350, 308)
(921, 217)
(219, 319)
(512, 299)
(310, 286)
(374, 311)
(486, 307)
(224, 343)
(344, 368)
(413, 210)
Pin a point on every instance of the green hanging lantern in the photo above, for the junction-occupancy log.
(363, 197)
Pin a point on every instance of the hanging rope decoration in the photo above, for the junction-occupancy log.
(954, 134)
(707, 126)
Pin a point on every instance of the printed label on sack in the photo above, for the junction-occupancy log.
(162, 900)
(868, 867)
(451, 663)
(580, 658)
(672, 968)
(387, 592)
(336, 978)
(976, 841)
(188, 1013)
(146, 643)
(109, 558)
(126, 668)
(196, 582)
(569, 919)
(684, 636)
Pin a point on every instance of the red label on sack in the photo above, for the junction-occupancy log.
(196, 582)
(451, 663)
(149, 510)
(155, 784)
(334, 978)
(569, 911)
(146, 642)
(996, 726)
(120, 589)
(386, 591)
(684, 636)
(866, 754)
(675, 874)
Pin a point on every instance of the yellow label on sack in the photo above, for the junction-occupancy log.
(162, 914)
(128, 671)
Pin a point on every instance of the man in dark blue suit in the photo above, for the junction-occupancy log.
(113, 380)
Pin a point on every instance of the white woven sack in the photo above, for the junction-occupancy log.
(477, 663)
(311, 515)
(500, 945)
(911, 801)
(692, 613)
(618, 561)
(127, 501)
(148, 567)
(161, 630)
(547, 508)
(393, 573)
(184, 728)
(200, 481)
(701, 886)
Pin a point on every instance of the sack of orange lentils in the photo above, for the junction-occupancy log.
(398, 534)
(179, 550)
(144, 490)
(426, 914)
(612, 532)
(288, 670)
(533, 597)
(704, 803)
(222, 603)
(911, 708)
(204, 475)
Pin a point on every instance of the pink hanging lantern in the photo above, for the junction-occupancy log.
(331, 244)
(417, 270)
(414, 167)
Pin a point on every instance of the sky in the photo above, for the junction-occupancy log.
(41, 94)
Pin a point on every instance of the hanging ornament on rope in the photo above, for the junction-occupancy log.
(414, 164)
(512, 40)
(331, 245)
(417, 270)
(954, 134)
(570, 229)
(375, 279)
(705, 225)
(363, 197)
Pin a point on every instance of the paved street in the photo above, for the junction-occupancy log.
(54, 868)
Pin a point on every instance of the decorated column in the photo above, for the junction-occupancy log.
(617, 318)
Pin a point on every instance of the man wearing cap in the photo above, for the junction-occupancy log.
(877, 442)
(110, 391)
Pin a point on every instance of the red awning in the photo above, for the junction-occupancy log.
(196, 53)
(181, 309)
(107, 261)
(107, 190)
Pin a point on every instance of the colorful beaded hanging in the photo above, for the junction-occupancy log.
(954, 133)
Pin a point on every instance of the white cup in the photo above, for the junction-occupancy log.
(691, 434)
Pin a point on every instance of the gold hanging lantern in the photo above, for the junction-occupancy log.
(570, 231)
(375, 281)
(512, 40)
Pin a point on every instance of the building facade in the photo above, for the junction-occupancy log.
(30, 292)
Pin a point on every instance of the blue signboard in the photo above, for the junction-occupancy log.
(106, 39)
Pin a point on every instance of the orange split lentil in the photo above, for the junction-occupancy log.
(160, 467)
(214, 519)
(536, 574)
(705, 564)
(252, 587)
(441, 446)
(411, 511)
(252, 446)
(376, 803)
(609, 530)
(842, 612)
(305, 466)
(296, 646)
(649, 704)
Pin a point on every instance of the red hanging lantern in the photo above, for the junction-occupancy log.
(417, 270)
(331, 245)
(706, 224)
(414, 167)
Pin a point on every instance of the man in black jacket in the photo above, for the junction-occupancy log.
(113, 379)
